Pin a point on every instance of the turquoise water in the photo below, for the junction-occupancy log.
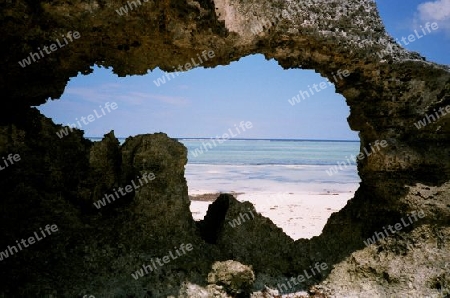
(275, 166)
(268, 152)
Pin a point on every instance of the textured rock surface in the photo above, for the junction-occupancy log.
(385, 270)
(236, 278)
(95, 250)
(241, 234)
(57, 180)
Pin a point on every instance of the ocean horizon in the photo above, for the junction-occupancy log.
(268, 165)
(238, 139)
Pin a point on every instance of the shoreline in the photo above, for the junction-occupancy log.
(210, 197)
(300, 215)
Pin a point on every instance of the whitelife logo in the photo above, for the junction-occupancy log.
(343, 165)
(11, 250)
(301, 278)
(53, 47)
(398, 227)
(165, 259)
(11, 158)
(124, 9)
(90, 118)
(323, 85)
(128, 189)
(244, 216)
(188, 66)
(411, 38)
(243, 125)
(292, 10)
(430, 117)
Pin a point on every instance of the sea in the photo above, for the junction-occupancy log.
(287, 181)
(269, 165)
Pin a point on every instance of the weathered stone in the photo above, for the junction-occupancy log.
(105, 161)
(235, 277)
(385, 269)
(388, 90)
(241, 234)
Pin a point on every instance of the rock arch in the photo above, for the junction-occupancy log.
(388, 90)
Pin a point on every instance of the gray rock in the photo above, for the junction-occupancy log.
(235, 277)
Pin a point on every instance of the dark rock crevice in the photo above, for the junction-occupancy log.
(57, 180)
(212, 224)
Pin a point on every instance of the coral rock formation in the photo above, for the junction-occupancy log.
(95, 251)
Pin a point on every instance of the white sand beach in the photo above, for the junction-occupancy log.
(297, 198)
(299, 215)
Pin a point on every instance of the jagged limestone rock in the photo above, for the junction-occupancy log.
(388, 90)
(235, 277)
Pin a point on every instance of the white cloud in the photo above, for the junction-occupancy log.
(96, 95)
(173, 100)
(435, 11)
(183, 87)
(118, 93)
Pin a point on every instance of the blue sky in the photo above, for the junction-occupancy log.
(208, 102)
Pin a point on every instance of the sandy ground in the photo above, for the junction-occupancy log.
(300, 215)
